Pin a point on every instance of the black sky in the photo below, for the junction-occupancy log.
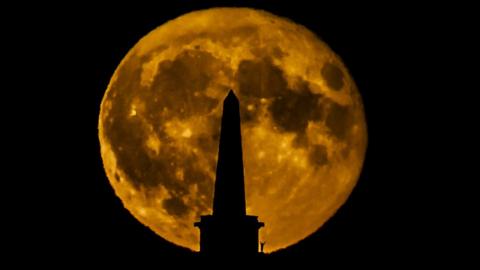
(72, 53)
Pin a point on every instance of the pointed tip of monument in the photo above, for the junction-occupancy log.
(231, 95)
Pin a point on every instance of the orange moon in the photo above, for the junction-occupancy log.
(303, 125)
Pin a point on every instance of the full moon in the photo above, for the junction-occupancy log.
(303, 125)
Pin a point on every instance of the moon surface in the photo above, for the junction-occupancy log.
(303, 125)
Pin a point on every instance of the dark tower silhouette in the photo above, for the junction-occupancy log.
(229, 230)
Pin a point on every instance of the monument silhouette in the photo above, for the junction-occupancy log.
(229, 230)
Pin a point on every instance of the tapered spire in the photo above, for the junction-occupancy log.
(229, 231)
(229, 197)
